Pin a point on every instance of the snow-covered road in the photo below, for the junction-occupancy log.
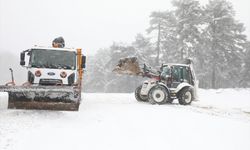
(220, 120)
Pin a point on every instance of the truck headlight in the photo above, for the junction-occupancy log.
(38, 73)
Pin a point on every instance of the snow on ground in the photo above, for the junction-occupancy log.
(220, 120)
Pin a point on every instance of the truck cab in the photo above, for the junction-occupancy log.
(51, 66)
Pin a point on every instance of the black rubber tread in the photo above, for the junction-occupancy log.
(181, 96)
(138, 96)
(150, 96)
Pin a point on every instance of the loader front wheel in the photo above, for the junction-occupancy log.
(138, 96)
(158, 95)
(186, 96)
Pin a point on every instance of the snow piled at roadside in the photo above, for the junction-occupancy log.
(118, 121)
(3, 100)
(226, 99)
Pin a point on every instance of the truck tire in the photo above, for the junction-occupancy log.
(186, 96)
(158, 95)
(138, 96)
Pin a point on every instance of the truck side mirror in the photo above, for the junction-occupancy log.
(22, 59)
(83, 61)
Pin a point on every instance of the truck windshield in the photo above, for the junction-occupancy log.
(56, 59)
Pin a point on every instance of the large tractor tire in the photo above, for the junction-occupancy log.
(138, 96)
(158, 95)
(186, 96)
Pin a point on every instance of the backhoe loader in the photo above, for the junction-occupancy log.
(171, 81)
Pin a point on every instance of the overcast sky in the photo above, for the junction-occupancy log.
(89, 24)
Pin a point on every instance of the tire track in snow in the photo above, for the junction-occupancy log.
(231, 113)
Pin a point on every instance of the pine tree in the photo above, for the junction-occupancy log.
(96, 71)
(163, 25)
(189, 19)
(169, 39)
(245, 73)
(157, 26)
(143, 49)
(120, 83)
(224, 43)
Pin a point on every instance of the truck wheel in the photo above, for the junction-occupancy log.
(158, 95)
(186, 96)
(138, 95)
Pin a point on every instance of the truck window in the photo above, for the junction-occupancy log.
(55, 59)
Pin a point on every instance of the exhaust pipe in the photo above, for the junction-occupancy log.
(12, 83)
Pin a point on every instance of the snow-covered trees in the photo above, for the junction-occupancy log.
(224, 44)
(95, 77)
(118, 83)
(143, 49)
(163, 31)
(209, 34)
(189, 16)
(157, 26)
(99, 75)
(245, 73)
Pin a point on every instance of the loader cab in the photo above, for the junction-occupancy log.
(174, 74)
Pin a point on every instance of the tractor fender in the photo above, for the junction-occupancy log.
(164, 85)
(181, 86)
(147, 85)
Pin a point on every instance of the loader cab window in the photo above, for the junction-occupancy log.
(55, 59)
(165, 72)
(181, 74)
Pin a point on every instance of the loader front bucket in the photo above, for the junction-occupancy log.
(44, 97)
(129, 66)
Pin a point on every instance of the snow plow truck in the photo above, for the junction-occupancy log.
(171, 81)
(54, 80)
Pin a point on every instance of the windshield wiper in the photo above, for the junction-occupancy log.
(37, 65)
(64, 66)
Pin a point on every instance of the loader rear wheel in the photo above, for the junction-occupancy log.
(138, 95)
(186, 96)
(158, 95)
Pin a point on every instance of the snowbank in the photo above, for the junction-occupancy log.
(226, 99)
(3, 100)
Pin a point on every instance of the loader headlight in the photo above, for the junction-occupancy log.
(63, 74)
(38, 73)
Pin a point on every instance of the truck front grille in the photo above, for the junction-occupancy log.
(50, 82)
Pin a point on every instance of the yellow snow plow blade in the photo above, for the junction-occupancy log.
(129, 66)
(43, 97)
